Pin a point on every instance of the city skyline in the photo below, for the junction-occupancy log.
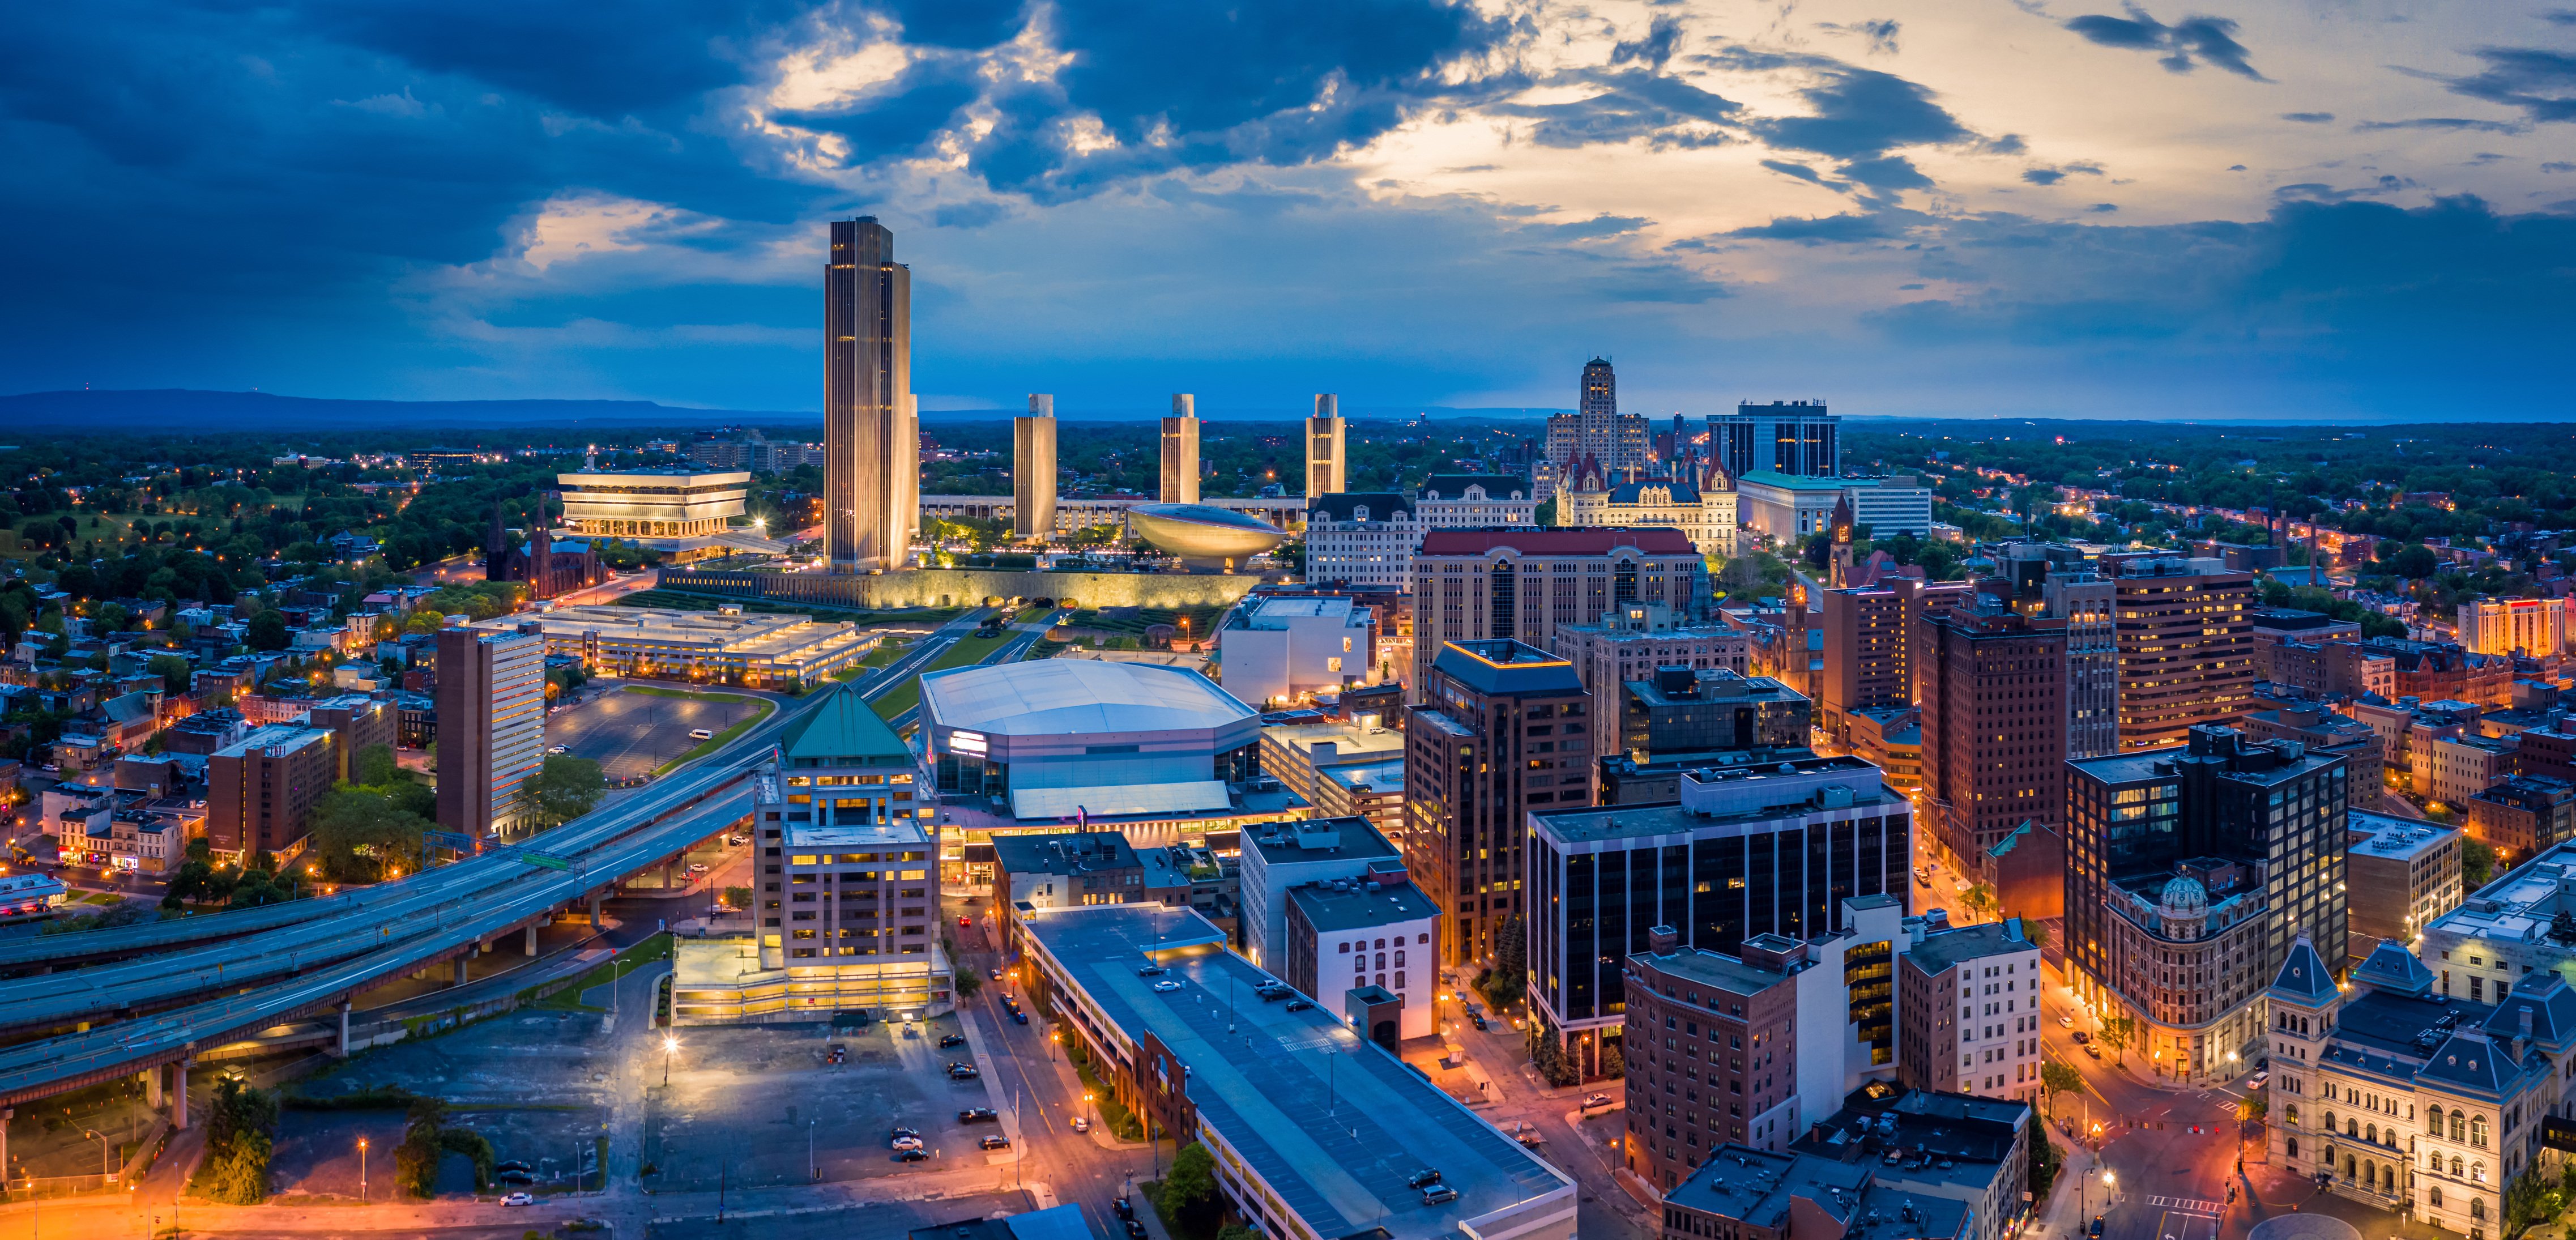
(2028, 210)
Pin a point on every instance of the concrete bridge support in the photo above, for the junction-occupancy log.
(532, 938)
(460, 969)
(5, 1114)
(152, 1087)
(596, 898)
(179, 1093)
(343, 1049)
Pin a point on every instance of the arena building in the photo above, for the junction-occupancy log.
(1067, 739)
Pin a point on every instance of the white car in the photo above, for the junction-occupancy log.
(518, 1199)
(1167, 985)
(2065, 1022)
(2257, 1080)
(1081, 1124)
(905, 1143)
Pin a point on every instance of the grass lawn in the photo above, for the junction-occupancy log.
(760, 710)
(969, 649)
(568, 999)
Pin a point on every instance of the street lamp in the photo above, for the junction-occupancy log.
(670, 1047)
(362, 1169)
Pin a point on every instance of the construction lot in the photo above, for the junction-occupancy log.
(745, 1101)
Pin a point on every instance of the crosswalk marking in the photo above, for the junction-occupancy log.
(2186, 1205)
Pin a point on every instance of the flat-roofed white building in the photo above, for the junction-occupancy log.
(1275, 650)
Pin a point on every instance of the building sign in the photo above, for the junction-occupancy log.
(966, 742)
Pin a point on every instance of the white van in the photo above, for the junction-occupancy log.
(701, 734)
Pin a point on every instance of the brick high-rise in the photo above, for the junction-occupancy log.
(1504, 727)
(2186, 638)
(1994, 724)
(1870, 645)
(260, 791)
(1472, 585)
(491, 727)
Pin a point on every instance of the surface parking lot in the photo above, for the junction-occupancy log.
(629, 734)
(745, 1100)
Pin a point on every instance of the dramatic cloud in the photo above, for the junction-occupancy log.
(2539, 81)
(2185, 44)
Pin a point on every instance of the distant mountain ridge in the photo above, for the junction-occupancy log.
(185, 409)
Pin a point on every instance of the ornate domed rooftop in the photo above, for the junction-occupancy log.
(2185, 897)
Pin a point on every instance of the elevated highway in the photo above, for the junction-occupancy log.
(297, 970)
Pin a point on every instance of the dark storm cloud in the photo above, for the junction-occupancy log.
(1861, 113)
(1630, 105)
(650, 54)
(2187, 43)
(2539, 81)
(1663, 35)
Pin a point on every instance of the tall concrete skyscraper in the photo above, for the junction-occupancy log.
(1596, 430)
(1181, 452)
(491, 727)
(871, 426)
(1033, 470)
(1326, 462)
(1795, 437)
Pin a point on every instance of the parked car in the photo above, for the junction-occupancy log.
(912, 1156)
(1439, 1195)
(1428, 1175)
(519, 1199)
(996, 974)
(962, 1072)
(1135, 1230)
(1595, 1100)
(954, 1039)
(1081, 1124)
(995, 1142)
(2082, 1037)
(2065, 1022)
(2256, 1081)
(1272, 994)
(1167, 986)
(965, 923)
(1152, 970)
(1019, 1016)
(2093, 1050)
(701, 734)
(1298, 1005)
(902, 1131)
(1479, 1018)
(977, 1115)
(558, 749)
(2096, 1228)
(904, 1143)
(1123, 1208)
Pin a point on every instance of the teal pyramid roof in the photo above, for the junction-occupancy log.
(2304, 977)
(843, 727)
(2390, 967)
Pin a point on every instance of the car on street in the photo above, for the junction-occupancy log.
(697, 867)
(1596, 1100)
(558, 749)
(2065, 1022)
(912, 1156)
(962, 1072)
(1135, 1230)
(965, 923)
(1167, 986)
(1123, 1208)
(701, 734)
(954, 1039)
(2256, 1081)
(519, 1199)
(996, 974)
(1299, 1005)
(1020, 1016)
(2096, 1228)
(2093, 1050)
(995, 1142)
(1479, 1018)
(1081, 1124)
(977, 1115)
(2082, 1037)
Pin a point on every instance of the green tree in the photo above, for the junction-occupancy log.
(1614, 1062)
(374, 767)
(2415, 562)
(2044, 1162)
(2115, 1034)
(257, 887)
(1504, 983)
(738, 898)
(2477, 863)
(2056, 1076)
(1190, 1201)
(175, 674)
(351, 822)
(240, 1128)
(2036, 932)
(1980, 899)
(565, 788)
(416, 1159)
(268, 632)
